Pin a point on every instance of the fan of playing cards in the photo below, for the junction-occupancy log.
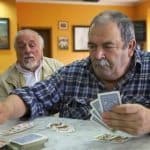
(105, 102)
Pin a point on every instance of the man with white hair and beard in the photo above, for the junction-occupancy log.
(31, 66)
(114, 64)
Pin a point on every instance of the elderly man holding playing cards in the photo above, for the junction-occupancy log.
(114, 64)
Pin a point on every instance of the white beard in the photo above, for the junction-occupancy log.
(30, 64)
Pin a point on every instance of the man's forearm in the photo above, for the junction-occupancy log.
(15, 106)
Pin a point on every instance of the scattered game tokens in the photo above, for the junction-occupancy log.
(112, 138)
(61, 127)
(18, 128)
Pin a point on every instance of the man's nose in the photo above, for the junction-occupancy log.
(27, 48)
(99, 53)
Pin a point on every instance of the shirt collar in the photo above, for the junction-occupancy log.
(137, 57)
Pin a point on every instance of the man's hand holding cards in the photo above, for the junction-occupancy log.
(104, 103)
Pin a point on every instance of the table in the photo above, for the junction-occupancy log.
(82, 139)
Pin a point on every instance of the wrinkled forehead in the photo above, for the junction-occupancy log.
(101, 23)
(27, 37)
(104, 29)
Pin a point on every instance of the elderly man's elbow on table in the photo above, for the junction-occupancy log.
(12, 107)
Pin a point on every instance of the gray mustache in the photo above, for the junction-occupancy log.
(102, 63)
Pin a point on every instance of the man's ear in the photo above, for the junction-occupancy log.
(131, 47)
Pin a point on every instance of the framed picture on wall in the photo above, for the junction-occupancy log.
(80, 38)
(62, 25)
(4, 33)
(63, 42)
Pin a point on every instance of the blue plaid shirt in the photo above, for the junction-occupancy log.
(73, 87)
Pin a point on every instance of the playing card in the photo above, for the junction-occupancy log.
(109, 99)
(97, 120)
(96, 106)
(94, 113)
(30, 141)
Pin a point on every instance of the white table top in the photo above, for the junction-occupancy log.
(82, 139)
